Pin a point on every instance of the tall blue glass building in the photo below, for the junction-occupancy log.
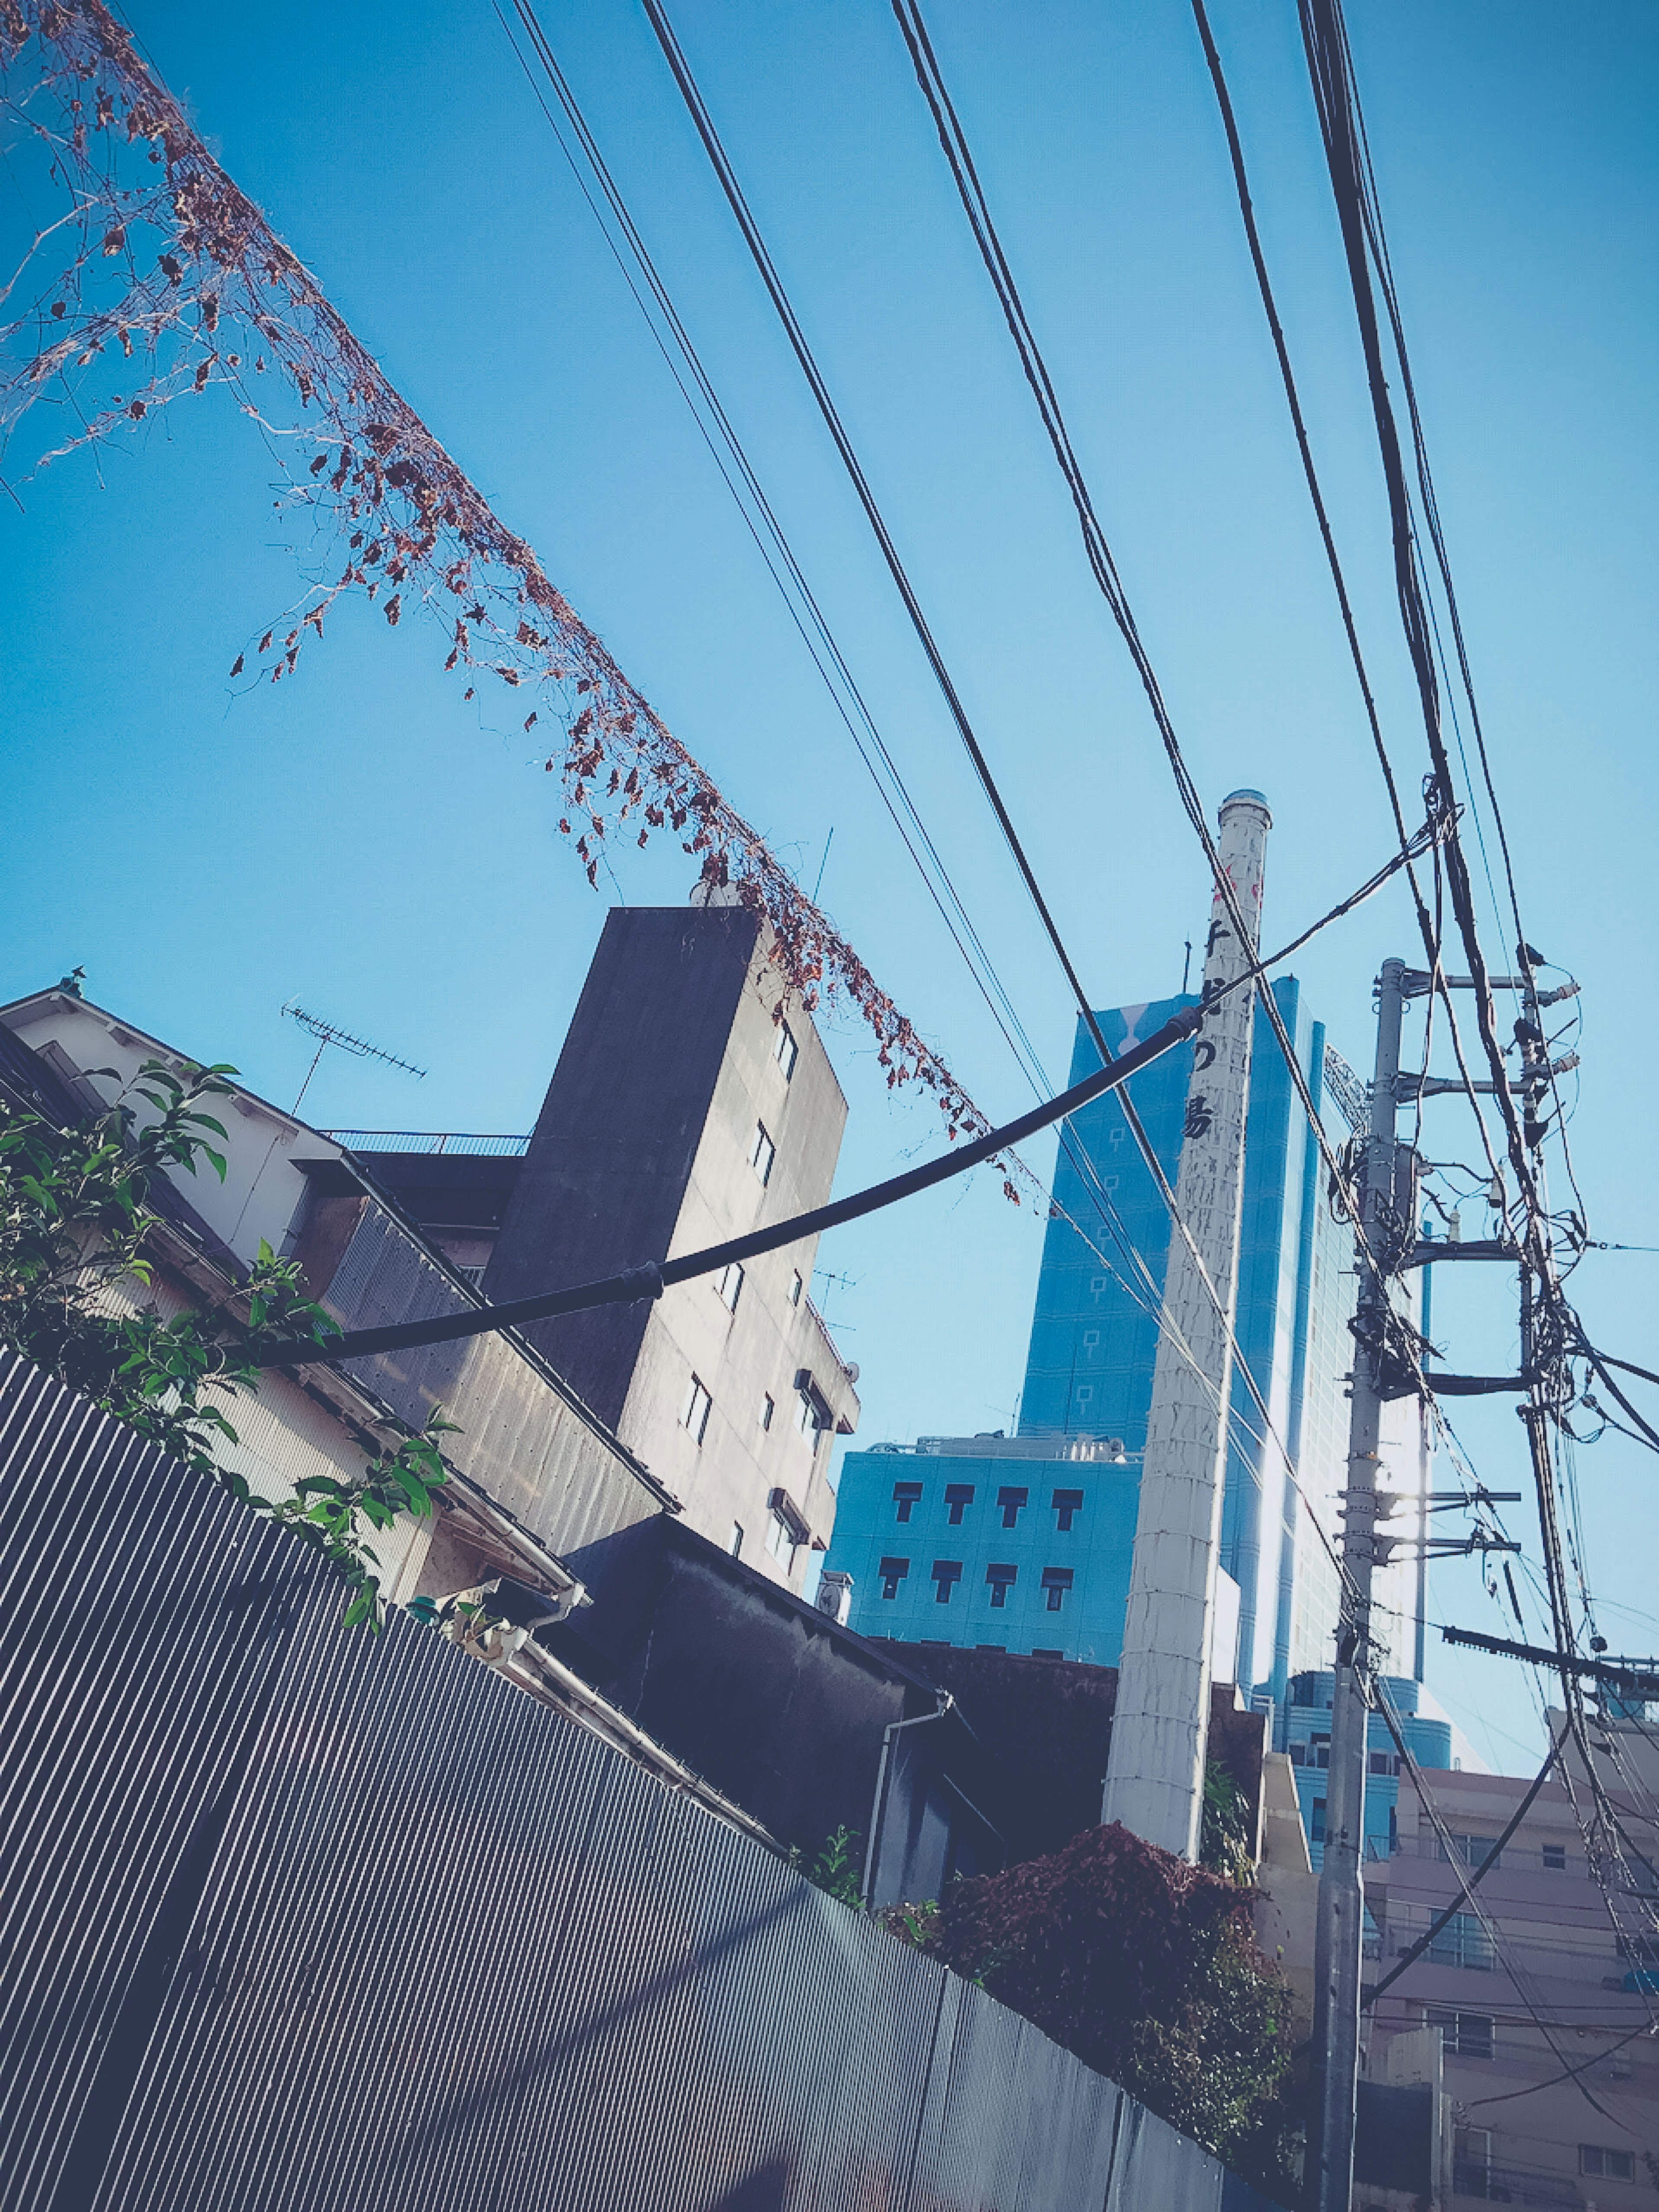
(1026, 1546)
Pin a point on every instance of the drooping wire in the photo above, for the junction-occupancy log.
(821, 643)
(727, 179)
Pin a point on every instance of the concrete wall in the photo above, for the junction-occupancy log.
(643, 1151)
(783, 1710)
(349, 1923)
(1564, 1940)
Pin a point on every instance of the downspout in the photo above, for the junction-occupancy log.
(879, 1809)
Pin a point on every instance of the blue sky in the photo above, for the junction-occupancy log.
(360, 839)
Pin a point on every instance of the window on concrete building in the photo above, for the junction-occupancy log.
(958, 1496)
(1472, 2167)
(728, 1285)
(1463, 1942)
(785, 1050)
(947, 1573)
(1010, 1501)
(1319, 1750)
(769, 1407)
(1469, 1850)
(761, 1154)
(1037, 1652)
(1555, 1858)
(1000, 1578)
(1463, 2035)
(906, 1496)
(1067, 1504)
(893, 1572)
(736, 1545)
(1607, 2165)
(1056, 1581)
(1382, 1762)
(1316, 1821)
(806, 1418)
(694, 1414)
(796, 1286)
(780, 1541)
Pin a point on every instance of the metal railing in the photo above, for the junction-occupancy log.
(430, 1140)
(1511, 2184)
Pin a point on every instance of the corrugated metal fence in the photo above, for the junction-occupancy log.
(296, 1918)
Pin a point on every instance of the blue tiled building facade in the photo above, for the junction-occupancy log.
(1094, 1335)
(937, 1562)
(1003, 1551)
(1306, 1730)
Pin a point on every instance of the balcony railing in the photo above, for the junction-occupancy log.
(1510, 2184)
(430, 1140)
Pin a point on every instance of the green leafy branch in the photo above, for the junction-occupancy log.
(76, 1230)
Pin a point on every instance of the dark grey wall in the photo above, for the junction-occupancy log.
(336, 1923)
(612, 1150)
(1046, 1726)
(755, 1690)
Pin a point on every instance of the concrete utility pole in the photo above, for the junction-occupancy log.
(1155, 1768)
(1339, 1938)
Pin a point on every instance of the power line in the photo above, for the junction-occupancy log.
(726, 176)
(786, 571)
(649, 1279)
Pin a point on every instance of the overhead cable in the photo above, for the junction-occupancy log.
(649, 1279)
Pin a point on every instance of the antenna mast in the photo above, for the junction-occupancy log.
(328, 1033)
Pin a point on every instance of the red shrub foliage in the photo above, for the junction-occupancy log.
(1148, 1970)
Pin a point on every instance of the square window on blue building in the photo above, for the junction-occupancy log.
(958, 1496)
(1067, 1503)
(1000, 1578)
(905, 1495)
(1011, 1502)
(893, 1572)
(947, 1573)
(1056, 1581)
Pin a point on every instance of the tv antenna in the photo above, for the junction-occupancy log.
(328, 1033)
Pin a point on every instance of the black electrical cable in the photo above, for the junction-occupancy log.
(651, 1280)
(1428, 926)
(1409, 1958)
(796, 337)
(1570, 2074)
(1335, 98)
(1409, 1761)
(823, 648)
(959, 157)
(989, 983)
(726, 176)
(1605, 1360)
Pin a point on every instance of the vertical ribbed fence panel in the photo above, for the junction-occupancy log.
(302, 1918)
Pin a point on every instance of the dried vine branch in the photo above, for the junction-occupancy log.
(171, 267)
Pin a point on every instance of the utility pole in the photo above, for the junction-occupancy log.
(1339, 1938)
(1155, 1767)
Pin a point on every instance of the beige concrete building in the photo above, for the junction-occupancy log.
(1544, 2000)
